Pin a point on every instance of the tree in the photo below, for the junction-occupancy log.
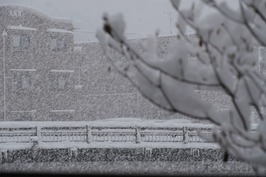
(224, 48)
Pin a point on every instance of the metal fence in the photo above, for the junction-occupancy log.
(97, 133)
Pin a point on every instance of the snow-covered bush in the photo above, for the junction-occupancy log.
(224, 48)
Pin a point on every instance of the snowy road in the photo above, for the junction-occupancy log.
(126, 167)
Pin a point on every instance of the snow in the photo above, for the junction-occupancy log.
(77, 49)
(150, 90)
(78, 86)
(171, 88)
(176, 3)
(64, 71)
(120, 166)
(226, 76)
(151, 46)
(15, 146)
(150, 73)
(23, 69)
(112, 133)
(117, 24)
(70, 110)
(180, 92)
(223, 6)
(20, 27)
(130, 145)
(33, 111)
(170, 83)
(112, 122)
(55, 30)
(127, 145)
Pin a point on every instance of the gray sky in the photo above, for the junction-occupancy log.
(143, 17)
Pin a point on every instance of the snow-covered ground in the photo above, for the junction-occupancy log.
(108, 122)
(133, 167)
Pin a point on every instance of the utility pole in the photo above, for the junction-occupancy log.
(170, 20)
(4, 35)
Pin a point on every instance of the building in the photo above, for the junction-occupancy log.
(46, 77)
(35, 55)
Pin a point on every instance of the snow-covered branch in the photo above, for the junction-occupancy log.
(225, 47)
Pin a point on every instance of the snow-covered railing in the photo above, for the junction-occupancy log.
(91, 133)
(16, 135)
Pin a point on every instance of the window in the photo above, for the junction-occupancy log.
(62, 80)
(58, 44)
(59, 79)
(21, 41)
(23, 79)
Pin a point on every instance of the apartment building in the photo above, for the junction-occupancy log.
(36, 55)
(45, 76)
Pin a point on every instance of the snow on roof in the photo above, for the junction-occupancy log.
(34, 10)
(56, 30)
(20, 27)
(23, 69)
(63, 71)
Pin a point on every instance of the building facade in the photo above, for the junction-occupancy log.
(36, 59)
(46, 77)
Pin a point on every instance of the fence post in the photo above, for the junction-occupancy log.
(35, 146)
(137, 133)
(1, 157)
(89, 134)
(72, 153)
(38, 132)
(185, 134)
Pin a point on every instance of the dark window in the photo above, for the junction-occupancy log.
(23, 80)
(21, 41)
(58, 44)
(59, 80)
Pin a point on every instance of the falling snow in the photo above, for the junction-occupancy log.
(65, 109)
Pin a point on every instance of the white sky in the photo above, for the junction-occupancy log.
(143, 17)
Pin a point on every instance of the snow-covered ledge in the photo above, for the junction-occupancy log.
(20, 27)
(62, 71)
(56, 30)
